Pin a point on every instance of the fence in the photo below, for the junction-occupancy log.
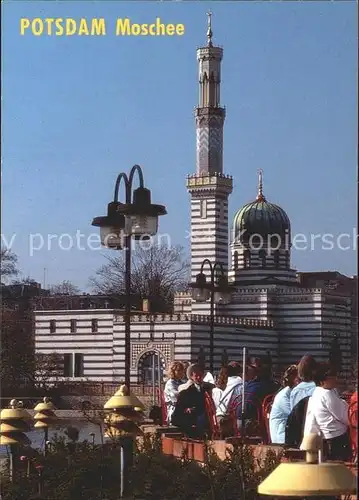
(100, 388)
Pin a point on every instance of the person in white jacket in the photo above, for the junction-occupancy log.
(176, 374)
(327, 414)
(221, 384)
(232, 390)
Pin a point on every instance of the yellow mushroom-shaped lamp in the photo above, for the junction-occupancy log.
(126, 413)
(123, 399)
(309, 478)
(15, 422)
(45, 415)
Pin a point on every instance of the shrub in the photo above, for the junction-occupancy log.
(83, 470)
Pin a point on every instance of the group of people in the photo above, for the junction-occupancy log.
(306, 402)
(184, 396)
(185, 390)
(310, 403)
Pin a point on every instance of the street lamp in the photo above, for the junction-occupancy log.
(217, 291)
(136, 218)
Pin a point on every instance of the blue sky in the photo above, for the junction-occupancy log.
(79, 110)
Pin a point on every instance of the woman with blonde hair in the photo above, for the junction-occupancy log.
(176, 374)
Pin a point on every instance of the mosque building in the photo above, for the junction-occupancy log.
(273, 308)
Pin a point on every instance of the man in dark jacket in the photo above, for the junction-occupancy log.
(190, 412)
(259, 387)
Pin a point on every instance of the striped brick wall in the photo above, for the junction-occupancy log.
(171, 336)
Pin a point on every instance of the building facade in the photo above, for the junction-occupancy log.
(273, 308)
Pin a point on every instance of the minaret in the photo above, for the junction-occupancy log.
(209, 187)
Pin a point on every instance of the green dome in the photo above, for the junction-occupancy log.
(263, 219)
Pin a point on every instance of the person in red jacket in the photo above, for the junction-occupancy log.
(353, 423)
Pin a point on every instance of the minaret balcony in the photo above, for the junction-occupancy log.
(205, 53)
(216, 181)
(210, 111)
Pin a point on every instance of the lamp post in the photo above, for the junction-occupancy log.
(217, 291)
(122, 425)
(136, 218)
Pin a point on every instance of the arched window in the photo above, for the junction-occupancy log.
(276, 259)
(203, 209)
(205, 90)
(150, 368)
(246, 259)
(287, 259)
(235, 260)
(262, 257)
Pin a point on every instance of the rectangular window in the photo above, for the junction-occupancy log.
(94, 325)
(73, 325)
(52, 326)
(221, 211)
(68, 365)
(79, 364)
(203, 209)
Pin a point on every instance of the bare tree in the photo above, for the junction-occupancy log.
(44, 372)
(8, 263)
(95, 416)
(64, 288)
(20, 366)
(158, 271)
(16, 354)
(24, 281)
(47, 370)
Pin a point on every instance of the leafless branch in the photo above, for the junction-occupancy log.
(156, 271)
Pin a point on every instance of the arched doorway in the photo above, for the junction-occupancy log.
(151, 368)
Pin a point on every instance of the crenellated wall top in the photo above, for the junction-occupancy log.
(214, 174)
(186, 295)
(279, 291)
(209, 51)
(214, 180)
(196, 318)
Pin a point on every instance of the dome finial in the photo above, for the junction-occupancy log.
(209, 30)
(260, 196)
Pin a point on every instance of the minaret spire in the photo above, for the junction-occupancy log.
(209, 113)
(209, 30)
(260, 195)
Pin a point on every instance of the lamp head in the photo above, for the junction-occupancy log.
(200, 290)
(111, 226)
(141, 215)
(222, 294)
